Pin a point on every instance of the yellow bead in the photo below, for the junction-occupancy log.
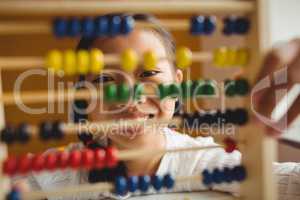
(242, 57)
(97, 61)
(129, 60)
(54, 61)
(220, 57)
(69, 63)
(183, 57)
(231, 57)
(83, 61)
(150, 60)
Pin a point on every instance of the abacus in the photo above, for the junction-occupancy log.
(248, 23)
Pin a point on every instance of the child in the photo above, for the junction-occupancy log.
(177, 164)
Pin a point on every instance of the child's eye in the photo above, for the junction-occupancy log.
(103, 78)
(146, 74)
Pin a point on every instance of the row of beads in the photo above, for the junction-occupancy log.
(238, 87)
(227, 175)
(143, 183)
(93, 27)
(237, 116)
(86, 159)
(230, 57)
(122, 25)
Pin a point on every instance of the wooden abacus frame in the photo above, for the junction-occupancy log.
(259, 151)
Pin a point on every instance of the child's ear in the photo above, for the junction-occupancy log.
(178, 76)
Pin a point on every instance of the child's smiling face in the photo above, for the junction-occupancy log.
(140, 41)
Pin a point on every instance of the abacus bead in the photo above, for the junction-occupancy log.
(230, 88)
(157, 182)
(127, 24)
(183, 57)
(242, 57)
(69, 65)
(240, 173)
(46, 130)
(85, 137)
(115, 25)
(54, 61)
(150, 60)
(75, 159)
(74, 27)
(102, 26)
(14, 195)
(242, 25)
(38, 162)
(120, 186)
(63, 159)
(97, 61)
(209, 24)
(57, 130)
(174, 90)
(129, 60)
(230, 145)
(208, 88)
(186, 88)
(10, 165)
(229, 25)
(242, 86)
(227, 175)
(88, 159)
(207, 177)
(241, 116)
(110, 93)
(123, 92)
(231, 57)
(163, 91)
(60, 27)
(24, 164)
(23, 134)
(8, 135)
(168, 181)
(83, 62)
(88, 27)
(111, 157)
(220, 57)
(51, 161)
(217, 176)
(99, 158)
(133, 183)
(144, 183)
(138, 91)
(197, 25)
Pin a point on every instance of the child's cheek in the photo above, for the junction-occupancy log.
(167, 107)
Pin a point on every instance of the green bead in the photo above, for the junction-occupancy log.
(186, 88)
(174, 90)
(230, 88)
(242, 86)
(208, 88)
(138, 91)
(163, 91)
(110, 93)
(197, 88)
(123, 92)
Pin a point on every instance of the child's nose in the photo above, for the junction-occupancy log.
(133, 103)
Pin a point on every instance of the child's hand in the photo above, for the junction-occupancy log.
(280, 72)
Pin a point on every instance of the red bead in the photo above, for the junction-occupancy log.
(38, 162)
(25, 164)
(63, 159)
(230, 145)
(75, 159)
(99, 155)
(51, 161)
(88, 159)
(10, 166)
(111, 157)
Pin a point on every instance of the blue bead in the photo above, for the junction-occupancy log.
(239, 173)
(13, 195)
(120, 186)
(60, 27)
(242, 25)
(197, 25)
(209, 25)
(217, 176)
(102, 24)
(168, 181)
(133, 183)
(74, 27)
(157, 182)
(88, 27)
(115, 25)
(207, 177)
(127, 24)
(144, 183)
(227, 175)
(229, 25)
